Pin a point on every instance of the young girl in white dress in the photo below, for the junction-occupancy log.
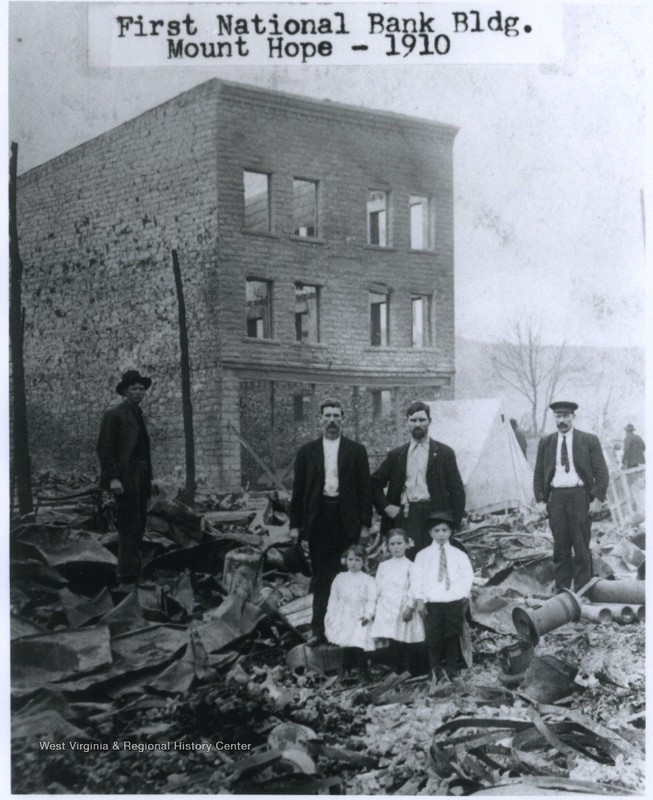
(395, 618)
(350, 611)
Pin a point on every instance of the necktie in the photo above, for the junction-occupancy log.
(443, 573)
(564, 455)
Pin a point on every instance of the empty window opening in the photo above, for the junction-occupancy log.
(304, 195)
(257, 201)
(377, 218)
(258, 296)
(307, 310)
(421, 320)
(381, 403)
(378, 319)
(421, 223)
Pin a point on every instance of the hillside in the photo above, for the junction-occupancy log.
(609, 385)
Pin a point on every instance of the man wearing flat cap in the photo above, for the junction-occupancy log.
(633, 448)
(570, 481)
(124, 451)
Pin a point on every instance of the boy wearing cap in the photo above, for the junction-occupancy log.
(443, 578)
(570, 481)
(123, 449)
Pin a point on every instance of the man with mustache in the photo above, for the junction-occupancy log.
(570, 481)
(422, 476)
(331, 504)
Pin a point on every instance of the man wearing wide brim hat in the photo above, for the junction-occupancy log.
(633, 448)
(126, 470)
(570, 481)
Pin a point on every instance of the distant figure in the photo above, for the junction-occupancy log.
(520, 435)
(124, 452)
(570, 480)
(633, 448)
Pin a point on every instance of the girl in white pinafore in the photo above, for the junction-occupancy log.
(395, 618)
(350, 611)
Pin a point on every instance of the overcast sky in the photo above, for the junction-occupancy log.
(549, 159)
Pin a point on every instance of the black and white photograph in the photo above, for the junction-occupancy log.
(326, 398)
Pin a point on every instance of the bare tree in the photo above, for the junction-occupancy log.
(535, 370)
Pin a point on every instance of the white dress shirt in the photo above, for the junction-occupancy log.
(561, 478)
(331, 484)
(426, 586)
(418, 456)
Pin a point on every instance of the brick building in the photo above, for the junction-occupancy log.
(316, 248)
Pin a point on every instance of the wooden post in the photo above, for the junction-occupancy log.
(21, 459)
(188, 495)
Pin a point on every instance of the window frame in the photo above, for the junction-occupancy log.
(370, 214)
(385, 302)
(428, 222)
(268, 206)
(426, 320)
(270, 319)
(299, 286)
(379, 409)
(316, 209)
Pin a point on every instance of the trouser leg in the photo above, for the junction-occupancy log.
(581, 526)
(453, 626)
(130, 521)
(562, 538)
(442, 628)
(434, 634)
(326, 543)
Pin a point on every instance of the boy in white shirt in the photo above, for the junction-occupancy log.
(442, 580)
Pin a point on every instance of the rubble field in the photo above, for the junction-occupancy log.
(198, 681)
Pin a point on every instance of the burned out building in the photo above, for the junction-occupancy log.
(316, 248)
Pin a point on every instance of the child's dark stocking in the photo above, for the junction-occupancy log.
(360, 662)
(348, 657)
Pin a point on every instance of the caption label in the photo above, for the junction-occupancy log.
(325, 34)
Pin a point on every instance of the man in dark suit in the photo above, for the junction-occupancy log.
(634, 448)
(520, 436)
(331, 504)
(124, 451)
(570, 481)
(422, 476)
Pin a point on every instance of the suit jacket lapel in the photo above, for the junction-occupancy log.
(129, 415)
(575, 444)
(403, 460)
(343, 453)
(433, 451)
(317, 455)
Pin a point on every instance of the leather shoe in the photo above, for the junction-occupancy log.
(315, 640)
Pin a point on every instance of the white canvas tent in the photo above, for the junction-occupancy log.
(495, 473)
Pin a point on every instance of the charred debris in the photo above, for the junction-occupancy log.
(197, 680)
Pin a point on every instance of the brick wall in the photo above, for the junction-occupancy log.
(268, 424)
(97, 225)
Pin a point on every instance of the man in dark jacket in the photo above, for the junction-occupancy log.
(124, 451)
(570, 481)
(520, 436)
(421, 476)
(633, 448)
(331, 504)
